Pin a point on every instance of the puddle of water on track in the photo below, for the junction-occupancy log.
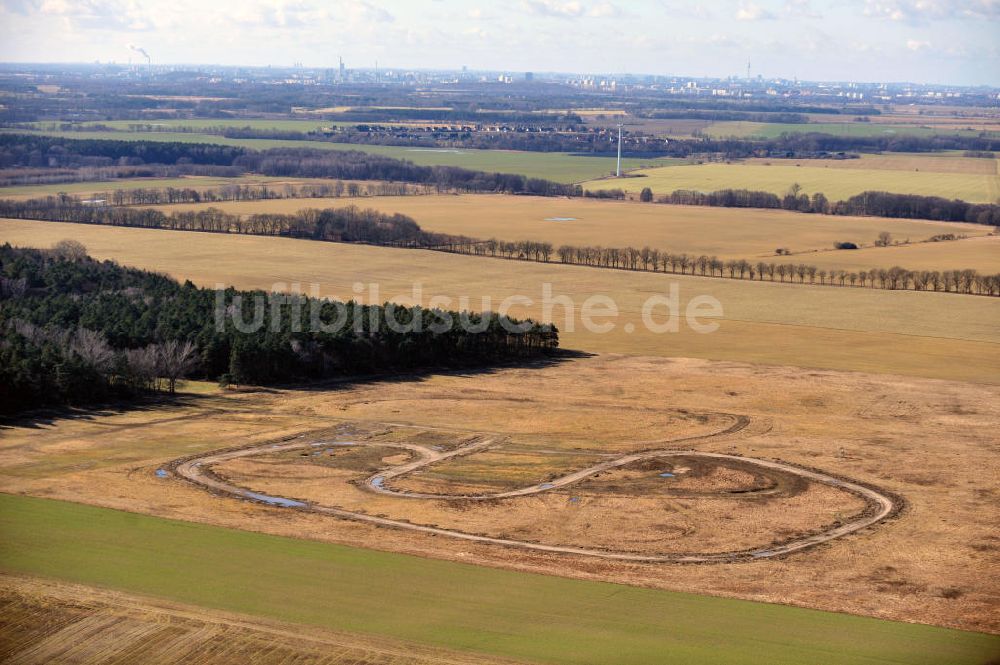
(378, 481)
(666, 475)
(275, 500)
(161, 473)
(545, 486)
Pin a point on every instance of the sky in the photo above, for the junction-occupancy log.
(923, 41)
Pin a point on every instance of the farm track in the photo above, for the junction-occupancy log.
(880, 505)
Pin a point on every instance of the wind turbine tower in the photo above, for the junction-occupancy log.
(618, 171)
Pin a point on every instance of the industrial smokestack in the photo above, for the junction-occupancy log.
(142, 51)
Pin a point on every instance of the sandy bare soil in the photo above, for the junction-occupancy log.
(931, 442)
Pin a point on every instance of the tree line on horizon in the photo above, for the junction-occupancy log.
(865, 204)
(37, 151)
(345, 224)
(333, 189)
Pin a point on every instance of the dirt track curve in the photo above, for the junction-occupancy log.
(198, 471)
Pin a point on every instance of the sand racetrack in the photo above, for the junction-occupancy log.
(198, 470)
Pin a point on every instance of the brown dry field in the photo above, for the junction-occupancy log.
(44, 622)
(980, 253)
(934, 335)
(931, 442)
(896, 161)
(777, 176)
(728, 233)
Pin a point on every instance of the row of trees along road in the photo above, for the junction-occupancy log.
(654, 260)
(351, 224)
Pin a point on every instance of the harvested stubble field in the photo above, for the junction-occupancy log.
(44, 621)
(835, 181)
(728, 233)
(980, 253)
(930, 442)
(920, 334)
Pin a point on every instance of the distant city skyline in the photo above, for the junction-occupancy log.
(920, 41)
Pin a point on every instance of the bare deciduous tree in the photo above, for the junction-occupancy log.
(175, 360)
(70, 250)
(93, 349)
(142, 366)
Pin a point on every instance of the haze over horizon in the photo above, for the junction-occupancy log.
(920, 41)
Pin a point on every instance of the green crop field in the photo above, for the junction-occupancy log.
(558, 166)
(835, 182)
(517, 615)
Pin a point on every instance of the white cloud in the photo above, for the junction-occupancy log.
(276, 14)
(553, 8)
(366, 12)
(22, 7)
(750, 11)
(800, 9)
(681, 9)
(916, 11)
(675, 36)
(605, 10)
(107, 14)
